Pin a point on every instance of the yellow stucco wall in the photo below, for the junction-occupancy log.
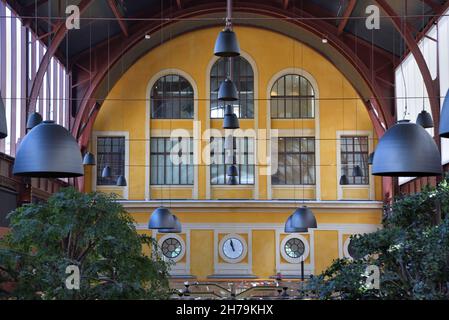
(126, 109)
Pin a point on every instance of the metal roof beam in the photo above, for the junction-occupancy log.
(346, 15)
(113, 5)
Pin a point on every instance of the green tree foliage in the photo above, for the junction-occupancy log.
(91, 231)
(411, 251)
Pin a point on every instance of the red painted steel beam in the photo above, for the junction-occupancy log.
(179, 4)
(285, 4)
(112, 4)
(51, 50)
(431, 85)
(345, 46)
(346, 15)
(434, 6)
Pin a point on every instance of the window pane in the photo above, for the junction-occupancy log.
(172, 98)
(292, 98)
(243, 78)
(111, 152)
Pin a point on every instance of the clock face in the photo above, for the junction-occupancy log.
(233, 248)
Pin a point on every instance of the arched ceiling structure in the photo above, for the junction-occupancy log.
(112, 37)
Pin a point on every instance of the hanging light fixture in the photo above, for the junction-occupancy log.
(227, 44)
(444, 117)
(357, 171)
(232, 171)
(33, 120)
(406, 150)
(107, 172)
(230, 120)
(227, 91)
(121, 181)
(303, 218)
(232, 181)
(89, 159)
(424, 119)
(48, 151)
(289, 228)
(162, 218)
(370, 158)
(3, 124)
(344, 180)
(176, 229)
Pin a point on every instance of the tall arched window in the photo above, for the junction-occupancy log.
(243, 78)
(292, 97)
(172, 98)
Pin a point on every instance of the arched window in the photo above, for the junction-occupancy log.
(243, 78)
(292, 97)
(172, 98)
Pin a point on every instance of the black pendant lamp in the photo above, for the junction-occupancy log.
(303, 218)
(230, 120)
(162, 218)
(406, 150)
(289, 228)
(3, 125)
(232, 171)
(424, 120)
(33, 120)
(48, 151)
(344, 180)
(444, 118)
(176, 229)
(107, 172)
(89, 159)
(121, 181)
(357, 171)
(232, 181)
(228, 91)
(370, 158)
(227, 44)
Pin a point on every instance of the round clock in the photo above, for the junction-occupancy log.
(233, 248)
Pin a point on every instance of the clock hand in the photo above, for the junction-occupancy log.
(232, 245)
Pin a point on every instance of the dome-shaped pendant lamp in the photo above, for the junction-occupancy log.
(162, 218)
(89, 159)
(444, 118)
(232, 181)
(33, 120)
(3, 124)
(121, 181)
(107, 172)
(370, 158)
(344, 180)
(48, 151)
(424, 120)
(303, 218)
(232, 171)
(227, 91)
(227, 44)
(289, 229)
(357, 171)
(176, 229)
(230, 120)
(406, 150)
